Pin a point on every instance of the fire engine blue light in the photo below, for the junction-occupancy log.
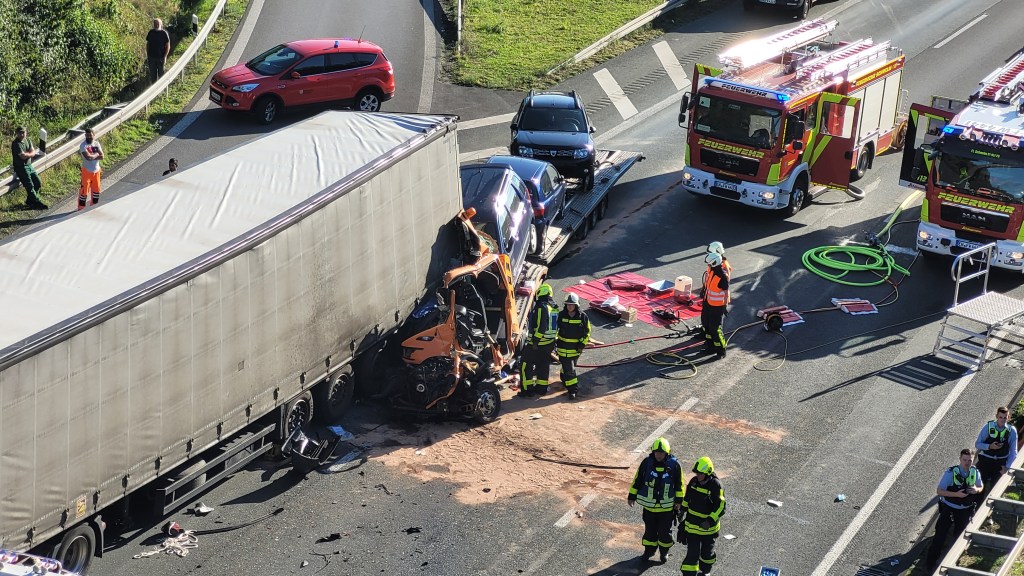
(782, 97)
(948, 129)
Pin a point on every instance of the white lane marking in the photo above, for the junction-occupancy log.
(883, 488)
(489, 121)
(960, 31)
(478, 154)
(672, 66)
(430, 58)
(137, 160)
(632, 122)
(615, 93)
(757, 280)
(638, 452)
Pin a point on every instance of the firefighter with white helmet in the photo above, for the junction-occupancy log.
(716, 247)
(658, 487)
(714, 307)
(573, 336)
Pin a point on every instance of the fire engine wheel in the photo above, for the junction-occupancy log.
(76, 549)
(797, 198)
(899, 140)
(487, 402)
(333, 397)
(863, 161)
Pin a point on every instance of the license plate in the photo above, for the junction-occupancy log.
(215, 96)
(968, 245)
(727, 185)
(767, 1)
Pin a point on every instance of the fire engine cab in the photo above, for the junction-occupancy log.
(791, 116)
(967, 157)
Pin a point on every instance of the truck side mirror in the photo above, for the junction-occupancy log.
(684, 107)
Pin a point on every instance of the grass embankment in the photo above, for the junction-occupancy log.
(513, 44)
(62, 180)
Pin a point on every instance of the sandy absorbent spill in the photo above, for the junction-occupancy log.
(499, 460)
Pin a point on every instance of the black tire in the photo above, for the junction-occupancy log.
(266, 109)
(602, 208)
(297, 413)
(863, 162)
(899, 140)
(588, 181)
(797, 198)
(369, 100)
(333, 397)
(76, 549)
(583, 231)
(486, 402)
(592, 219)
(804, 8)
(188, 471)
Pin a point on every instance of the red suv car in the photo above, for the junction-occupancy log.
(353, 72)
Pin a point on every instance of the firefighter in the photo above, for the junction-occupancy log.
(957, 490)
(573, 336)
(540, 343)
(714, 308)
(702, 507)
(997, 448)
(658, 487)
(717, 248)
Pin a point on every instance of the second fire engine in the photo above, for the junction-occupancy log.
(791, 116)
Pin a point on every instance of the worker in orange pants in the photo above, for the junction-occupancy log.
(91, 153)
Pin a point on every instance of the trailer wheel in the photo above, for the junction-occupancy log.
(583, 230)
(76, 549)
(602, 208)
(297, 413)
(487, 402)
(333, 397)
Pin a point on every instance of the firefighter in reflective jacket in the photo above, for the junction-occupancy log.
(540, 343)
(573, 335)
(703, 506)
(658, 487)
(716, 299)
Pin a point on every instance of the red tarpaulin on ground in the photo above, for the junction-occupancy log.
(625, 285)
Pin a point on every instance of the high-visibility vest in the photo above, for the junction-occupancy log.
(657, 485)
(545, 324)
(704, 502)
(997, 435)
(713, 295)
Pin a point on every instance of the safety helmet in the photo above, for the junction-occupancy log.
(544, 290)
(661, 444)
(704, 465)
(713, 259)
(716, 248)
(572, 299)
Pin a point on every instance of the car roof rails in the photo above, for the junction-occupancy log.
(576, 99)
(529, 97)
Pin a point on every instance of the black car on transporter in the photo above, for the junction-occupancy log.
(553, 126)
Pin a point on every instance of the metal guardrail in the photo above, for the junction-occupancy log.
(119, 115)
(628, 28)
(974, 535)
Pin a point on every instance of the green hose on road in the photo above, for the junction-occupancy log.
(836, 262)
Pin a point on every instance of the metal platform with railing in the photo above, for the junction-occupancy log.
(967, 331)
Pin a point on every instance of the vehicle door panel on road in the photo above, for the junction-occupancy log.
(312, 85)
(831, 157)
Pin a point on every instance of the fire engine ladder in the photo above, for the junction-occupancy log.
(983, 315)
(1005, 83)
(761, 50)
(849, 57)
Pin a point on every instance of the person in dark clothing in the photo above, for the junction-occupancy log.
(535, 359)
(702, 508)
(22, 153)
(715, 305)
(658, 487)
(958, 489)
(573, 336)
(158, 47)
(172, 166)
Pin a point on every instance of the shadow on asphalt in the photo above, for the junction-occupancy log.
(631, 566)
(919, 373)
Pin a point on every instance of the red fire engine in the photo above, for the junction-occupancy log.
(788, 117)
(967, 158)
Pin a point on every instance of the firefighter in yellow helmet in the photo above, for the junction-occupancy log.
(535, 358)
(702, 508)
(658, 487)
(573, 336)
